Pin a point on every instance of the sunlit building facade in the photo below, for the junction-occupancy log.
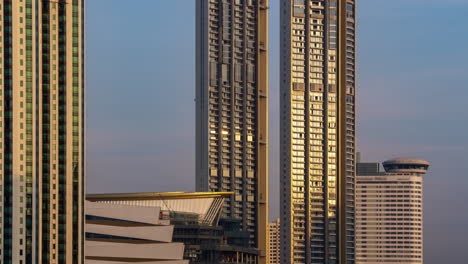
(41, 131)
(317, 131)
(231, 110)
(274, 242)
(389, 212)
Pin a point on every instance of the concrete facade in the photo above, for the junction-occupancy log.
(232, 110)
(389, 212)
(274, 241)
(42, 136)
(318, 131)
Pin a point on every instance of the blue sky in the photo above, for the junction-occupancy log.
(412, 92)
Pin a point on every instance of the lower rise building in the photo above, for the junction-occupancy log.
(196, 223)
(222, 243)
(274, 242)
(122, 233)
(389, 212)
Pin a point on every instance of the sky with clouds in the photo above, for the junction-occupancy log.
(412, 92)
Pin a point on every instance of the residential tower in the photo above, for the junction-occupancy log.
(318, 130)
(232, 110)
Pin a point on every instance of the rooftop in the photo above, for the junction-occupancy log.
(156, 196)
(407, 161)
(207, 205)
(406, 165)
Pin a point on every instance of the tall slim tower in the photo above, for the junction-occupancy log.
(41, 131)
(317, 131)
(231, 109)
(389, 212)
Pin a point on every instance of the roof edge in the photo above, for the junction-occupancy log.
(156, 196)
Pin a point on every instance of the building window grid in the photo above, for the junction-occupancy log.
(233, 87)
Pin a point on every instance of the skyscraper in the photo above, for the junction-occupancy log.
(231, 109)
(274, 235)
(317, 131)
(41, 131)
(389, 212)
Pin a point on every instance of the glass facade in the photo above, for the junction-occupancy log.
(42, 136)
(317, 131)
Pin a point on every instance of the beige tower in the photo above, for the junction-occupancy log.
(389, 212)
(274, 242)
(317, 131)
(41, 131)
(232, 110)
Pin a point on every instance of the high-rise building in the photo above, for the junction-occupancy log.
(41, 131)
(274, 242)
(317, 130)
(389, 212)
(232, 110)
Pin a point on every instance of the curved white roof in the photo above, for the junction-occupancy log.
(206, 205)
